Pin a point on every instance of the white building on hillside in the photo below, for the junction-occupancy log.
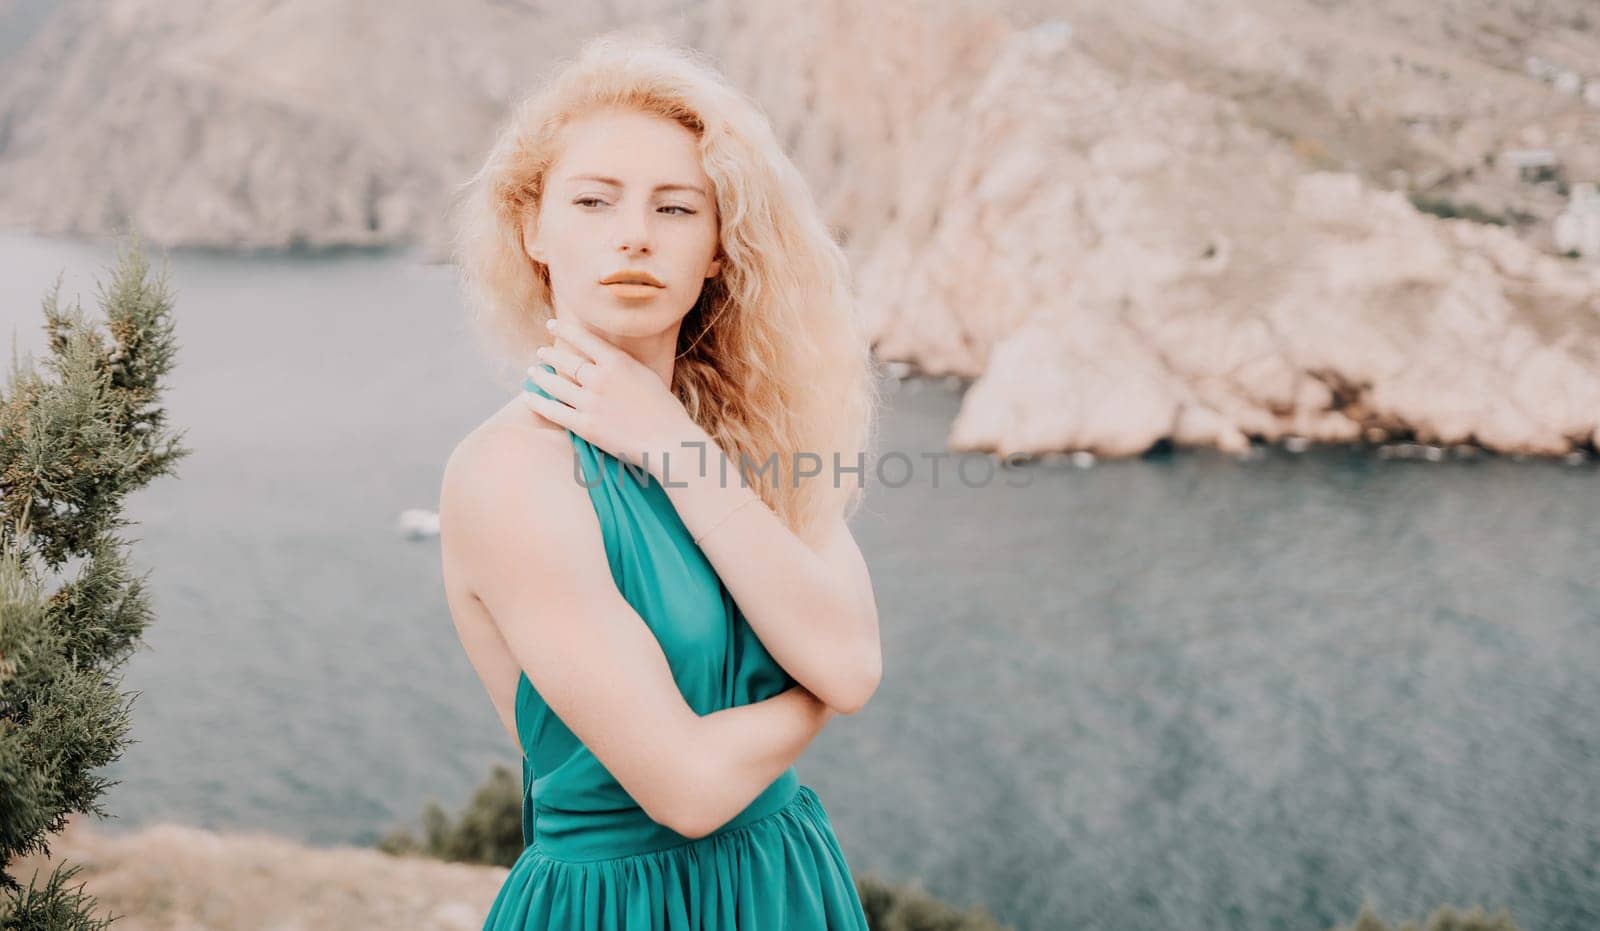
(1531, 165)
(1577, 228)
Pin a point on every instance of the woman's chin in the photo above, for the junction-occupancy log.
(633, 320)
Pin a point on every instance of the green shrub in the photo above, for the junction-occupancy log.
(75, 440)
(488, 831)
(1449, 210)
(907, 907)
(1444, 918)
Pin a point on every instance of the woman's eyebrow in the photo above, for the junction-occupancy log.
(603, 179)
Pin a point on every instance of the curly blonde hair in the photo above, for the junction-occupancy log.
(771, 360)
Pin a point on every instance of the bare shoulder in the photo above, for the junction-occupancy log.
(512, 431)
(513, 463)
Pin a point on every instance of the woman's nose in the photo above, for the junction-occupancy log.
(634, 232)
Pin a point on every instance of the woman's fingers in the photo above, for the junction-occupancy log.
(584, 341)
(566, 361)
(558, 384)
(553, 411)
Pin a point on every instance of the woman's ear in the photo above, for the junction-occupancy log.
(530, 236)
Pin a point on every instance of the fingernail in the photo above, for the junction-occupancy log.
(550, 324)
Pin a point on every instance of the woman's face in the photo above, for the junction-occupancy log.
(627, 195)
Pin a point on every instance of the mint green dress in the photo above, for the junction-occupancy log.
(593, 860)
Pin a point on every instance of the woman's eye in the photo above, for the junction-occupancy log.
(686, 210)
(586, 201)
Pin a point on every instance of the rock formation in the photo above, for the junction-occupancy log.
(266, 123)
(1118, 257)
(1185, 220)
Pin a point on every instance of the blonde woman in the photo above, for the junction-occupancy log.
(646, 552)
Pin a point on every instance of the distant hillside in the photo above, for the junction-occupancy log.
(1199, 221)
(266, 123)
(1166, 220)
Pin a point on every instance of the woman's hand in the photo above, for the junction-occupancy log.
(617, 403)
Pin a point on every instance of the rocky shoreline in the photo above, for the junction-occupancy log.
(1379, 442)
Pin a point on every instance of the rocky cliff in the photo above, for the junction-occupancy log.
(1201, 221)
(266, 123)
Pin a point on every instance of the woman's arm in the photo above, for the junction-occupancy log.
(812, 607)
(750, 746)
(520, 535)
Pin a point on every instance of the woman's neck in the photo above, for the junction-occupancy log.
(657, 353)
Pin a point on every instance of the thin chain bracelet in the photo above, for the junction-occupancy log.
(753, 497)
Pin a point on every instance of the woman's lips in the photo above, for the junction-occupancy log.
(632, 289)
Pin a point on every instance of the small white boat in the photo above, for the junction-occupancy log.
(416, 523)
